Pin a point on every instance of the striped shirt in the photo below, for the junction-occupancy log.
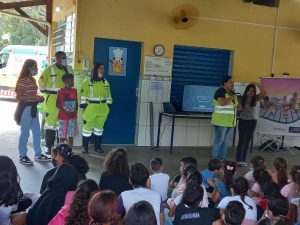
(27, 87)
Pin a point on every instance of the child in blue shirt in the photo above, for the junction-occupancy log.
(209, 175)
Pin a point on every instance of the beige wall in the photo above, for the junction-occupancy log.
(147, 22)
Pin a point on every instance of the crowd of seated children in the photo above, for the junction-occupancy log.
(127, 194)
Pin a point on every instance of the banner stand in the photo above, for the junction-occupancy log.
(279, 113)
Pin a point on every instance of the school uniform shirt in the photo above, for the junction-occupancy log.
(185, 215)
(207, 174)
(257, 189)
(160, 184)
(129, 198)
(5, 212)
(251, 214)
(250, 178)
(289, 191)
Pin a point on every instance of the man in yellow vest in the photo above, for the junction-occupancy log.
(96, 100)
(224, 117)
(50, 82)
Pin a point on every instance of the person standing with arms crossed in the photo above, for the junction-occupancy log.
(96, 100)
(223, 117)
(50, 82)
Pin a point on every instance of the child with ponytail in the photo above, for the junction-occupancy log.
(239, 190)
(223, 186)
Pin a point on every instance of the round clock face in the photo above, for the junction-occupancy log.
(159, 50)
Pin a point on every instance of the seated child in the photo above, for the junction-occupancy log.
(234, 213)
(209, 175)
(223, 186)
(261, 178)
(159, 180)
(179, 179)
(257, 163)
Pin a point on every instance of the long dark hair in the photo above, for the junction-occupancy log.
(280, 164)
(10, 190)
(25, 72)
(116, 162)
(141, 213)
(258, 162)
(240, 187)
(94, 74)
(193, 193)
(261, 177)
(229, 171)
(294, 171)
(244, 96)
(78, 213)
(101, 207)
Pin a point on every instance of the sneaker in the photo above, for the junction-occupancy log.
(26, 161)
(48, 151)
(42, 158)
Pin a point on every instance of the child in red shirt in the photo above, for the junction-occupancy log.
(67, 104)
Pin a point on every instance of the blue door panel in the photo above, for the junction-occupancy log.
(120, 125)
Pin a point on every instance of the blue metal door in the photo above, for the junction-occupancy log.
(121, 123)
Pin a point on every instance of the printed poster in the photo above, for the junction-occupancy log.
(280, 108)
(117, 61)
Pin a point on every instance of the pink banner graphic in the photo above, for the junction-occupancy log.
(280, 108)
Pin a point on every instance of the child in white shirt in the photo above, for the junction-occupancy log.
(159, 180)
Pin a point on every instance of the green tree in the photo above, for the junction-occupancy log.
(21, 32)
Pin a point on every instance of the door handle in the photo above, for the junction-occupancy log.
(3, 74)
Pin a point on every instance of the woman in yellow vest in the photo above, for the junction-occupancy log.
(96, 100)
(224, 117)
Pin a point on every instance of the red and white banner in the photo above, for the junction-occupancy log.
(9, 93)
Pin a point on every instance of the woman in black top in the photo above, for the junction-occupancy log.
(116, 172)
(63, 154)
(50, 202)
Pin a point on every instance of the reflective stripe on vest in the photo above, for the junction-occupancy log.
(53, 77)
(224, 115)
(92, 91)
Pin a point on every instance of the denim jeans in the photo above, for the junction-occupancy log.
(28, 123)
(222, 135)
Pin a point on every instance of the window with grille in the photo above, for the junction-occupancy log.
(64, 36)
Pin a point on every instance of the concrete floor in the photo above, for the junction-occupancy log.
(31, 177)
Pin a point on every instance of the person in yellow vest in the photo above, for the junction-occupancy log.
(50, 82)
(224, 117)
(96, 100)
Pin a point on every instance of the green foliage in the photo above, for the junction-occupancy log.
(21, 31)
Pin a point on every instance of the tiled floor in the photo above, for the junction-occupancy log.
(31, 177)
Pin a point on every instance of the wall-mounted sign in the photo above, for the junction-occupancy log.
(117, 61)
(159, 66)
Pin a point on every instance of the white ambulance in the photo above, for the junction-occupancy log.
(12, 58)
